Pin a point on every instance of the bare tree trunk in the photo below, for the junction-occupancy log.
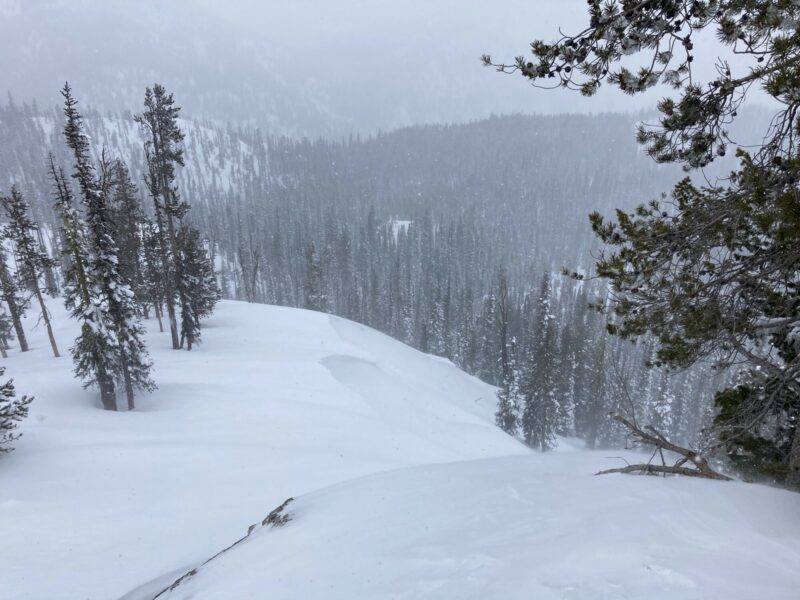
(157, 310)
(128, 388)
(3, 352)
(14, 310)
(108, 395)
(793, 476)
(46, 317)
(169, 296)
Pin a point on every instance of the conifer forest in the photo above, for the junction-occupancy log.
(394, 282)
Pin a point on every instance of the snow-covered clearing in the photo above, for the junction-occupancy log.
(403, 487)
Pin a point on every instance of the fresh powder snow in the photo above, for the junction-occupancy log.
(402, 485)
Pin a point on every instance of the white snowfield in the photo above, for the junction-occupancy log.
(403, 487)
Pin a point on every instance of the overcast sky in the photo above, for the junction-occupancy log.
(297, 65)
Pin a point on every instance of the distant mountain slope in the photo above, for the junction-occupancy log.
(298, 68)
(275, 402)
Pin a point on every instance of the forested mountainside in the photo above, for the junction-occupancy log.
(267, 62)
(449, 238)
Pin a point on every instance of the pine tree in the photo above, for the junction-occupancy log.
(198, 277)
(545, 403)
(12, 411)
(540, 407)
(163, 148)
(126, 216)
(712, 274)
(14, 300)
(315, 297)
(507, 414)
(6, 334)
(75, 253)
(50, 277)
(32, 262)
(153, 286)
(110, 346)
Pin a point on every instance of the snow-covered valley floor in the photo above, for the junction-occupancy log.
(403, 487)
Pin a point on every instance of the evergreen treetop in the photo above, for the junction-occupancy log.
(714, 271)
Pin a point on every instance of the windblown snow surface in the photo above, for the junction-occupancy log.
(402, 486)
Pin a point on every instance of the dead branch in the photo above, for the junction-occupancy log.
(648, 435)
(277, 518)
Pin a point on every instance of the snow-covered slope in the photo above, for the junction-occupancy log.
(275, 402)
(403, 488)
(516, 528)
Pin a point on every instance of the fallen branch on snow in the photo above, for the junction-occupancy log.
(276, 518)
(690, 463)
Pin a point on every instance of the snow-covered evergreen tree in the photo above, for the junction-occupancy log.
(126, 218)
(152, 272)
(13, 409)
(538, 387)
(313, 291)
(6, 334)
(163, 148)
(110, 347)
(508, 409)
(198, 277)
(31, 261)
(507, 415)
(15, 301)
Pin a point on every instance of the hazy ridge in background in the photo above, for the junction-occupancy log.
(297, 68)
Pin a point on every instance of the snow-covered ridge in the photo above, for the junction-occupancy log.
(402, 486)
(512, 528)
(275, 402)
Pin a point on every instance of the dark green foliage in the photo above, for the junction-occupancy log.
(14, 299)
(508, 410)
(409, 229)
(6, 333)
(32, 262)
(12, 411)
(712, 272)
(758, 453)
(540, 409)
(152, 271)
(508, 401)
(126, 216)
(21, 231)
(164, 153)
(199, 281)
(185, 276)
(110, 348)
(313, 289)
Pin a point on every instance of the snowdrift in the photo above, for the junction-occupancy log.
(515, 528)
(275, 402)
(402, 486)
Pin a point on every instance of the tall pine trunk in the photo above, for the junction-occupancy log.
(157, 310)
(108, 394)
(50, 280)
(14, 309)
(793, 477)
(46, 318)
(128, 387)
(169, 279)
